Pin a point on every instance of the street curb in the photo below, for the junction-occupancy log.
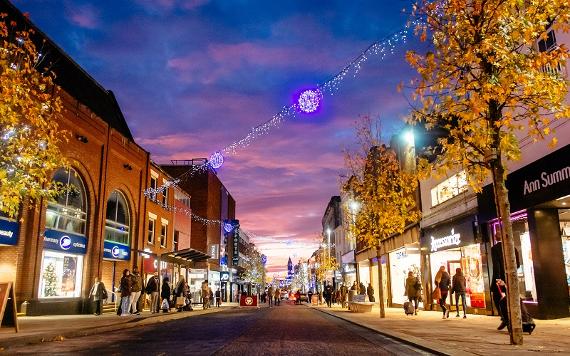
(20, 340)
(417, 342)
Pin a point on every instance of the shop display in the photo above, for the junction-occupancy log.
(403, 261)
(61, 275)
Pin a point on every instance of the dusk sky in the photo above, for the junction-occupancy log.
(193, 76)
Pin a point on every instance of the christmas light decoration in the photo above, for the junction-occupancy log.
(216, 160)
(309, 101)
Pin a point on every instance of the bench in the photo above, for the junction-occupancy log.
(360, 307)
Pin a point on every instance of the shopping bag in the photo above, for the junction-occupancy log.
(180, 301)
(164, 305)
(436, 295)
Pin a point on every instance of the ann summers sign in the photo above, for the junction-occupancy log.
(539, 182)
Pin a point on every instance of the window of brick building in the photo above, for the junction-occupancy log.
(163, 233)
(68, 211)
(117, 223)
(151, 229)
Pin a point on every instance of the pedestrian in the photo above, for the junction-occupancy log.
(458, 287)
(205, 293)
(98, 293)
(277, 296)
(126, 290)
(328, 294)
(152, 290)
(310, 295)
(443, 281)
(136, 287)
(413, 290)
(361, 289)
(354, 286)
(211, 297)
(344, 295)
(498, 286)
(370, 293)
(218, 298)
(165, 295)
(270, 295)
(179, 297)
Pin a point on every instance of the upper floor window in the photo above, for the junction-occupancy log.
(549, 43)
(449, 188)
(163, 233)
(153, 185)
(151, 229)
(68, 211)
(165, 198)
(117, 223)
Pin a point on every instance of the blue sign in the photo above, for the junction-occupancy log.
(65, 241)
(8, 232)
(115, 251)
(263, 259)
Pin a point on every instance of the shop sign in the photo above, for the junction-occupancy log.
(65, 241)
(115, 251)
(8, 232)
(224, 276)
(235, 256)
(539, 182)
(450, 240)
(214, 251)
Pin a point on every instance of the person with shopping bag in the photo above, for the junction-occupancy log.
(442, 283)
(165, 295)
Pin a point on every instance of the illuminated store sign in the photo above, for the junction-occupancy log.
(8, 232)
(65, 241)
(450, 240)
(115, 251)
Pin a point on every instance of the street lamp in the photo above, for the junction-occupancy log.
(329, 242)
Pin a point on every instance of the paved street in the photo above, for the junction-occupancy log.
(284, 330)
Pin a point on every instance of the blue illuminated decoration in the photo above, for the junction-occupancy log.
(216, 160)
(228, 227)
(263, 259)
(309, 101)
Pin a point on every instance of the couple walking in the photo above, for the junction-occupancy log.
(444, 284)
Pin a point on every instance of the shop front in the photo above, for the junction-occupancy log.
(454, 245)
(61, 274)
(9, 230)
(402, 261)
(539, 194)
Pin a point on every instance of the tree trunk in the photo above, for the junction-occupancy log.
(380, 284)
(504, 210)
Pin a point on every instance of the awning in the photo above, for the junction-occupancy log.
(184, 256)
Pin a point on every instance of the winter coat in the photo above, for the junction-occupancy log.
(152, 285)
(458, 285)
(126, 286)
(444, 281)
(370, 291)
(136, 283)
(413, 286)
(165, 291)
(98, 291)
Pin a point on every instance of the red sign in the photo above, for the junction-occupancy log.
(248, 301)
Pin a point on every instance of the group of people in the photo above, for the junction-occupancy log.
(131, 287)
(271, 296)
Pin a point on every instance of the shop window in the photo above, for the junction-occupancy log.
(151, 230)
(163, 234)
(61, 275)
(525, 272)
(153, 185)
(68, 211)
(117, 223)
(449, 188)
(403, 261)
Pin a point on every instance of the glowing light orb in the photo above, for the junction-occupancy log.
(310, 100)
(216, 160)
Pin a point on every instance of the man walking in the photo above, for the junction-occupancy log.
(498, 286)
(152, 290)
(136, 290)
(270, 296)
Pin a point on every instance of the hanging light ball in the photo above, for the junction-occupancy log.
(310, 100)
(216, 160)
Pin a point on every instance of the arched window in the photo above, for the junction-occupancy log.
(117, 224)
(68, 211)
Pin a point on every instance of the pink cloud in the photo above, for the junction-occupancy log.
(85, 16)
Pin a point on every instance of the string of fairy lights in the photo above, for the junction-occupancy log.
(307, 102)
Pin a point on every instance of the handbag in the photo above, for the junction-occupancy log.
(436, 295)
(165, 305)
(180, 301)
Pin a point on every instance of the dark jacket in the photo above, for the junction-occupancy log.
(498, 264)
(165, 291)
(136, 283)
(98, 291)
(126, 286)
(445, 282)
(458, 285)
(152, 285)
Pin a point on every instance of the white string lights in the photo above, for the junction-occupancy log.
(308, 102)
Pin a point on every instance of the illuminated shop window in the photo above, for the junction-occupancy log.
(61, 275)
(117, 224)
(449, 188)
(68, 211)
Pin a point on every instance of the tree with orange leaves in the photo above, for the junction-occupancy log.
(30, 110)
(488, 80)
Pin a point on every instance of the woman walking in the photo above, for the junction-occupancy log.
(413, 289)
(458, 287)
(126, 289)
(98, 293)
(443, 281)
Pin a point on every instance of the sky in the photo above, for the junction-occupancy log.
(194, 76)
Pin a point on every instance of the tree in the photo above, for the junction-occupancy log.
(326, 263)
(254, 270)
(30, 109)
(50, 281)
(485, 83)
(300, 278)
(385, 189)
